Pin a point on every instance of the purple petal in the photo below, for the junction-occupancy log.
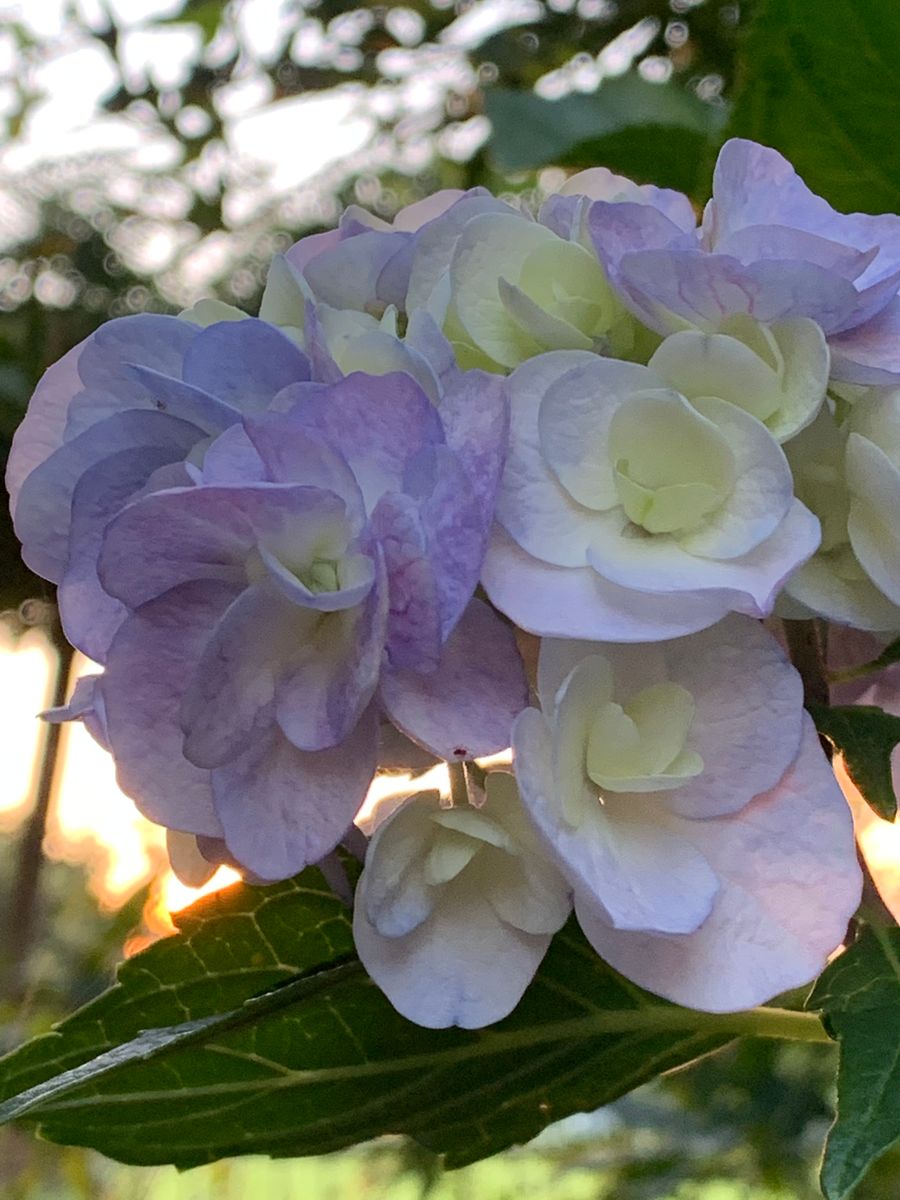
(466, 708)
(282, 808)
(244, 363)
(475, 413)
(755, 185)
(292, 454)
(307, 248)
(706, 288)
(454, 525)
(618, 229)
(414, 620)
(229, 698)
(168, 538)
(328, 678)
(43, 427)
(377, 423)
(43, 513)
(148, 340)
(869, 354)
(90, 616)
(185, 401)
(346, 275)
(151, 662)
(86, 704)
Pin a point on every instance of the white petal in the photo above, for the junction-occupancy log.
(789, 885)
(576, 602)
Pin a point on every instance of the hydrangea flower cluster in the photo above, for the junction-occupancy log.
(313, 545)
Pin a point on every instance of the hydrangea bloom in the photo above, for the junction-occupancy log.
(456, 907)
(270, 531)
(768, 248)
(702, 869)
(324, 552)
(123, 413)
(631, 512)
(849, 474)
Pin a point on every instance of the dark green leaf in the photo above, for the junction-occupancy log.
(624, 125)
(860, 997)
(256, 1032)
(817, 83)
(864, 736)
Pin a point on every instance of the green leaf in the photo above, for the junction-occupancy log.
(864, 736)
(860, 997)
(817, 83)
(653, 132)
(255, 1031)
(207, 14)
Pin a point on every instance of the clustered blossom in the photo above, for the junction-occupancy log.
(310, 546)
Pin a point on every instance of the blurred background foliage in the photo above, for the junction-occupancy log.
(152, 151)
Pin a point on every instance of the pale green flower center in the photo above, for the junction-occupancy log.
(672, 469)
(640, 746)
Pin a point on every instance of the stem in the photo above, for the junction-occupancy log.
(459, 788)
(23, 901)
(807, 643)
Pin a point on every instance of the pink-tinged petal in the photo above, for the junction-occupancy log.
(870, 353)
(413, 216)
(748, 584)
(282, 809)
(308, 248)
(746, 695)
(474, 411)
(599, 183)
(150, 664)
(43, 427)
(789, 885)
(244, 363)
(670, 287)
(346, 275)
(627, 861)
(435, 243)
(555, 601)
(414, 615)
(167, 538)
(378, 423)
(43, 512)
(462, 966)
(327, 679)
(466, 707)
